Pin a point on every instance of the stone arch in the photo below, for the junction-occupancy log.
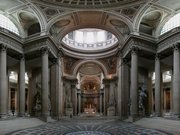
(40, 17)
(56, 19)
(138, 18)
(123, 19)
(101, 26)
(103, 68)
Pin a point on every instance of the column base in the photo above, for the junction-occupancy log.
(158, 114)
(176, 116)
(132, 118)
(111, 111)
(69, 112)
(4, 116)
(21, 115)
(46, 118)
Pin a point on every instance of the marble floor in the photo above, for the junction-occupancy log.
(89, 127)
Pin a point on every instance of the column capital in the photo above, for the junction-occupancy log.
(119, 54)
(125, 61)
(54, 60)
(175, 47)
(157, 56)
(21, 57)
(3, 47)
(44, 50)
(134, 49)
(60, 54)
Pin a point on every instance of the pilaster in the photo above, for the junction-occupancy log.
(176, 81)
(3, 81)
(45, 84)
(134, 83)
(157, 86)
(22, 86)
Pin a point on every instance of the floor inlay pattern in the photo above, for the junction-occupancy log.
(95, 127)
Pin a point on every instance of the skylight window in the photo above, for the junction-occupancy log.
(7, 24)
(101, 36)
(90, 39)
(171, 24)
(79, 36)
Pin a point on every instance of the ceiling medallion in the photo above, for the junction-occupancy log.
(26, 16)
(117, 23)
(62, 23)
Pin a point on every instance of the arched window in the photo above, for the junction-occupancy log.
(171, 23)
(7, 24)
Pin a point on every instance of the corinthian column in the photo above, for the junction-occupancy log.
(157, 86)
(22, 87)
(134, 83)
(45, 83)
(3, 82)
(176, 81)
(120, 91)
(79, 102)
(60, 96)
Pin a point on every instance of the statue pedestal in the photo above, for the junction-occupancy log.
(111, 111)
(69, 111)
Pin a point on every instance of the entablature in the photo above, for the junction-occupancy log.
(12, 41)
(167, 40)
(37, 44)
(146, 46)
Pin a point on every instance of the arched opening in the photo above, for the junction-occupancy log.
(90, 89)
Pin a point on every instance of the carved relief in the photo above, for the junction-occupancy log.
(110, 63)
(11, 43)
(167, 41)
(69, 64)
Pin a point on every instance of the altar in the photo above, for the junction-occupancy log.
(90, 110)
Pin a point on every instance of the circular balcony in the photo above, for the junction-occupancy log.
(90, 40)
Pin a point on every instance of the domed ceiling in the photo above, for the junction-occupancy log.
(89, 3)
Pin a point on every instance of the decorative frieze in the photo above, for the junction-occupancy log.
(13, 44)
(168, 42)
(141, 44)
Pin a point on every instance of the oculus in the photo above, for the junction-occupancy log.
(90, 39)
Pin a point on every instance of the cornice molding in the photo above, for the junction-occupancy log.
(169, 39)
(138, 42)
(11, 42)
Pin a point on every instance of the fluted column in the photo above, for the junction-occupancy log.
(3, 81)
(75, 102)
(176, 81)
(106, 94)
(74, 95)
(45, 83)
(30, 97)
(134, 83)
(22, 87)
(60, 96)
(157, 86)
(120, 92)
(100, 103)
(79, 103)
